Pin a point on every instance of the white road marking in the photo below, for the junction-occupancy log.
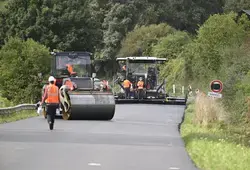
(174, 168)
(94, 164)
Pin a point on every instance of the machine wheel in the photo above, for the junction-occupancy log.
(65, 115)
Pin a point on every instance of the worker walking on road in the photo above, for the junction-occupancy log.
(126, 85)
(140, 86)
(51, 96)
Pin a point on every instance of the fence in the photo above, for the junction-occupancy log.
(18, 108)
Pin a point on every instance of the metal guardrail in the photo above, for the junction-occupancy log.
(21, 107)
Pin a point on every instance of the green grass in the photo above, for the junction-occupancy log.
(222, 147)
(17, 116)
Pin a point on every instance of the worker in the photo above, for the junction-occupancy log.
(140, 86)
(71, 85)
(126, 85)
(51, 96)
(70, 69)
(124, 67)
(105, 85)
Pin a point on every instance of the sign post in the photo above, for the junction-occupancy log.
(216, 87)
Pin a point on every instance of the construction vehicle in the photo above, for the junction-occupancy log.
(148, 68)
(81, 96)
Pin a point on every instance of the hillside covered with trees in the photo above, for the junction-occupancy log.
(107, 28)
(203, 40)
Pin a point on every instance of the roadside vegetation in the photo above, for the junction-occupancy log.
(211, 141)
(206, 40)
(217, 131)
(17, 116)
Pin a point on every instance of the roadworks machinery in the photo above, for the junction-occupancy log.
(80, 96)
(148, 68)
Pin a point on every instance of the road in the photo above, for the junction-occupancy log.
(140, 137)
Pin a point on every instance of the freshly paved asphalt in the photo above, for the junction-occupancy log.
(140, 137)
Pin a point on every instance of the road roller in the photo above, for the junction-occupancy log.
(147, 68)
(81, 97)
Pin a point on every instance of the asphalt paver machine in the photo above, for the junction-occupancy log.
(154, 89)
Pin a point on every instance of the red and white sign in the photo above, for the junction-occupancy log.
(216, 83)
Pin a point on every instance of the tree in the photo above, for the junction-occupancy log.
(212, 39)
(144, 38)
(172, 45)
(116, 24)
(58, 24)
(236, 5)
(21, 61)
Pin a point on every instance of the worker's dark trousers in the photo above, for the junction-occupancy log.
(127, 93)
(140, 93)
(51, 112)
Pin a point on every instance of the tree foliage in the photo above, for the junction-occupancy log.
(110, 28)
(221, 52)
(171, 46)
(58, 24)
(143, 38)
(97, 26)
(21, 61)
(236, 5)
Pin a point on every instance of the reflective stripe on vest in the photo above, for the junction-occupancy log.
(53, 94)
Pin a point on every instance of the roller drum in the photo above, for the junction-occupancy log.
(84, 105)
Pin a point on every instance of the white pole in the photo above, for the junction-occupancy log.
(174, 88)
(183, 90)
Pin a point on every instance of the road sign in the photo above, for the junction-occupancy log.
(214, 94)
(216, 86)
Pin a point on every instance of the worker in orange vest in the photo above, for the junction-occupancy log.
(71, 85)
(140, 86)
(126, 85)
(70, 69)
(51, 95)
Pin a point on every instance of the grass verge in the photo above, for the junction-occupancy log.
(17, 116)
(218, 146)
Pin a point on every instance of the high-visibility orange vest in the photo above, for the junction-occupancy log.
(140, 84)
(69, 84)
(126, 84)
(70, 68)
(52, 93)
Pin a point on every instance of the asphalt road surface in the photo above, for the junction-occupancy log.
(140, 137)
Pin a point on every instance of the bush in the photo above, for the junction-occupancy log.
(21, 61)
(5, 102)
(173, 72)
(208, 110)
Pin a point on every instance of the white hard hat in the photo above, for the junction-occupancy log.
(51, 78)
